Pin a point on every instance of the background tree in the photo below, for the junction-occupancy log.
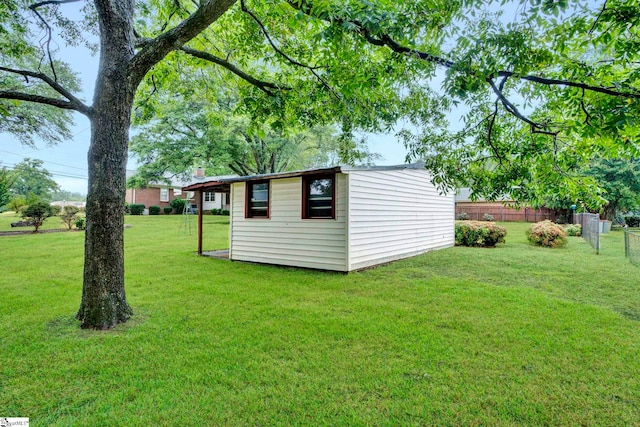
(547, 89)
(32, 180)
(197, 121)
(6, 182)
(620, 181)
(37, 213)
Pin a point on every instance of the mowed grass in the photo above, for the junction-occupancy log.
(515, 335)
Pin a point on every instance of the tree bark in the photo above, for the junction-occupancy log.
(104, 302)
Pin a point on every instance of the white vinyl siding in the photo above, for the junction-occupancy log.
(285, 238)
(396, 214)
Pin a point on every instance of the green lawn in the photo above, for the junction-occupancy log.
(515, 335)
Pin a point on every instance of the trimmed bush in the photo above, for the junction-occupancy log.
(224, 212)
(479, 233)
(215, 211)
(488, 217)
(37, 213)
(462, 216)
(136, 208)
(632, 221)
(547, 234)
(154, 210)
(574, 229)
(167, 210)
(178, 205)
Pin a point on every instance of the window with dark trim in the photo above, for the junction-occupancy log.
(318, 197)
(257, 203)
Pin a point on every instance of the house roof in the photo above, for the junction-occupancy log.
(334, 169)
(222, 184)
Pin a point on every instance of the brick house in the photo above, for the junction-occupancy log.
(161, 194)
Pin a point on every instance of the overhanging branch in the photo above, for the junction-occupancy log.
(60, 103)
(156, 49)
(381, 39)
(72, 103)
(280, 52)
(266, 87)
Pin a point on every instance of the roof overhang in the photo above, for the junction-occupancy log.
(211, 186)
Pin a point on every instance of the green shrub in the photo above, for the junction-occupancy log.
(462, 216)
(574, 229)
(80, 223)
(215, 211)
(178, 205)
(479, 233)
(136, 208)
(68, 216)
(154, 210)
(632, 221)
(37, 213)
(547, 234)
(224, 212)
(488, 217)
(167, 210)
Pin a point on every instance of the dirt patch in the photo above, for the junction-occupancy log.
(19, 232)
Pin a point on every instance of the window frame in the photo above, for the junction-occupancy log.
(249, 193)
(208, 197)
(166, 192)
(306, 190)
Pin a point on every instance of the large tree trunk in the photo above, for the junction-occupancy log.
(104, 302)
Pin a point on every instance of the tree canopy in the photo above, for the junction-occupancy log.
(32, 180)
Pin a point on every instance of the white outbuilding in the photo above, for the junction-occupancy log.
(339, 218)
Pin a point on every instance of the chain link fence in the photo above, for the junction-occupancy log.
(590, 228)
(632, 246)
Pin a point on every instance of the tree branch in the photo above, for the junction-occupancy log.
(20, 96)
(156, 49)
(385, 40)
(75, 103)
(34, 8)
(280, 52)
(266, 87)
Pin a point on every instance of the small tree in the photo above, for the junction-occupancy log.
(37, 213)
(68, 216)
(17, 203)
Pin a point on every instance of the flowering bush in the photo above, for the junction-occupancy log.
(548, 234)
(574, 229)
(462, 216)
(488, 217)
(479, 233)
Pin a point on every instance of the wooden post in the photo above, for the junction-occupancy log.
(200, 206)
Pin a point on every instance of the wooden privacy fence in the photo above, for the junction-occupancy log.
(476, 211)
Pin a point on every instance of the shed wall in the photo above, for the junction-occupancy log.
(285, 238)
(396, 214)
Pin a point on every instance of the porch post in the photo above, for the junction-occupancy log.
(200, 209)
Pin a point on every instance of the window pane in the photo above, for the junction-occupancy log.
(319, 198)
(320, 188)
(259, 199)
